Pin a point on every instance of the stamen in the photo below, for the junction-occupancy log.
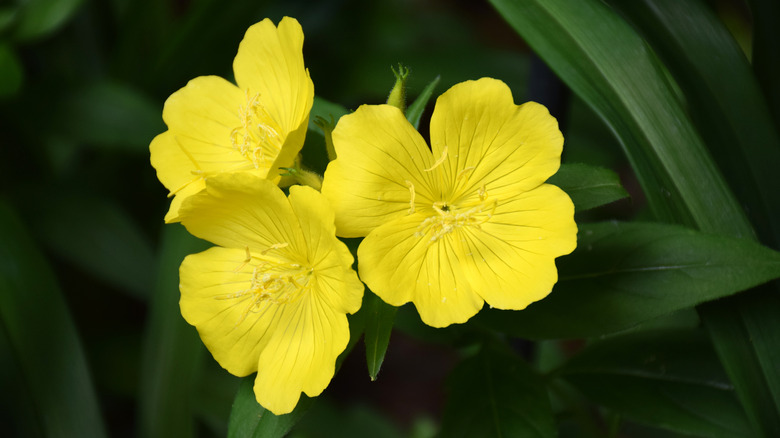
(439, 161)
(246, 261)
(275, 246)
(273, 283)
(450, 217)
(258, 137)
(411, 195)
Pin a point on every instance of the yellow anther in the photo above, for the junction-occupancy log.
(258, 137)
(411, 195)
(272, 284)
(439, 161)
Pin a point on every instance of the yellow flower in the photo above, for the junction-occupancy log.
(256, 127)
(470, 221)
(273, 296)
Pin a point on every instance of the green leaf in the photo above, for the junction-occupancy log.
(733, 120)
(602, 59)
(8, 15)
(249, 419)
(173, 353)
(496, 394)
(99, 237)
(611, 68)
(737, 125)
(349, 420)
(40, 17)
(670, 379)
(11, 73)
(415, 110)
(746, 333)
(588, 186)
(379, 325)
(43, 336)
(111, 115)
(623, 274)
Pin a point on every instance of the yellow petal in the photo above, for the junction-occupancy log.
(208, 280)
(380, 167)
(301, 355)
(200, 119)
(187, 190)
(339, 286)
(492, 142)
(400, 265)
(171, 162)
(510, 258)
(270, 64)
(241, 210)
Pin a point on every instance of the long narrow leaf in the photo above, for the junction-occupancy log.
(379, 325)
(250, 420)
(173, 352)
(588, 186)
(607, 64)
(89, 232)
(623, 274)
(670, 379)
(43, 336)
(726, 103)
(610, 67)
(724, 100)
(746, 333)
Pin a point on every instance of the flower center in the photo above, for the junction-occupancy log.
(274, 281)
(259, 137)
(448, 217)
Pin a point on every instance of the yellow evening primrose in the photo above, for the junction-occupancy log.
(467, 221)
(273, 296)
(256, 127)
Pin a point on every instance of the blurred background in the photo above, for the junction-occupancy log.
(82, 86)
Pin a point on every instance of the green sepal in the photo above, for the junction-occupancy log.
(415, 110)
